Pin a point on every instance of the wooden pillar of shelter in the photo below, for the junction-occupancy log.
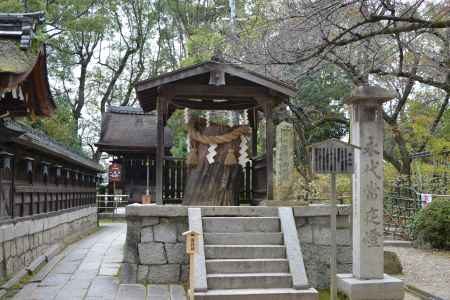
(268, 109)
(161, 105)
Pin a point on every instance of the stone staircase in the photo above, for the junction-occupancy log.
(247, 258)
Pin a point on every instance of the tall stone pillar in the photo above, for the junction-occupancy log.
(284, 159)
(368, 280)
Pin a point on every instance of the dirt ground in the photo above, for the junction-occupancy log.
(428, 270)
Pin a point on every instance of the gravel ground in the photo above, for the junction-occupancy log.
(425, 269)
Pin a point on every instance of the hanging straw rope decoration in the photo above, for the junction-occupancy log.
(197, 137)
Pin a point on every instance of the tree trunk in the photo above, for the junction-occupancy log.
(214, 184)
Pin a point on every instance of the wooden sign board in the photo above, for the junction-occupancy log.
(115, 172)
(191, 241)
(332, 156)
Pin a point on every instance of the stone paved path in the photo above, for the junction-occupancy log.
(425, 269)
(88, 271)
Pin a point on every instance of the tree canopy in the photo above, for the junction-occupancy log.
(98, 50)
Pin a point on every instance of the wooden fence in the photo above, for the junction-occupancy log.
(253, 181)
(20, 198)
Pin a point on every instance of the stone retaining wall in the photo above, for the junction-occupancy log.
(313, 228)
(156, 250)
(24, 239)
(155, 247)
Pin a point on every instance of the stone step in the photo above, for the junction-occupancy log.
(244, 238)
(249, 281)
(260, 294)
(241, 224)
(260, 265)
(244, 251)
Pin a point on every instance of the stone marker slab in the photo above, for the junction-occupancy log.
(388, 288)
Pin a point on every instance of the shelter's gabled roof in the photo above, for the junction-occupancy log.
(130, 129)
(196, 82)
(37, 140)
(24, 86)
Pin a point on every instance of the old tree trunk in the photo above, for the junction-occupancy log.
(214, 184)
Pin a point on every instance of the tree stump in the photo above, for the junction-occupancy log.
(214, 184)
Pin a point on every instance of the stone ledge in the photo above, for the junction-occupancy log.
(321, 210)
(16, 228)
(388, 288)
(153, 210)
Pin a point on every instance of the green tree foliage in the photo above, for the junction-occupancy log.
(11, 6)
(318, 114)
(179, 132)
(321, 98)
(61, 126)
(202, 45)
(14, 6)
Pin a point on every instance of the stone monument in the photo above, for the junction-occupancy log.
(284, 159)
(368, 280)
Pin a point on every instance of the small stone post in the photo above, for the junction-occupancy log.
(284, 158)
(368, 280)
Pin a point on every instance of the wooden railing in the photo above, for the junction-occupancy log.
(30, 200)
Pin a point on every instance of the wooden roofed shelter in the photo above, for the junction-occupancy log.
(215, 85)
(129, 135)
(24, 86)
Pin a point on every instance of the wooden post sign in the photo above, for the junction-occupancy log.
(191, 249)
(333, 157)
(115, 172)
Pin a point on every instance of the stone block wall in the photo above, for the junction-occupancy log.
(22, 240)
(155, 247)
(156, 250)
(313, 229)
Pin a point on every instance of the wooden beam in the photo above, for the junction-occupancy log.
(211, 105)
(219, 92)
(269, 149)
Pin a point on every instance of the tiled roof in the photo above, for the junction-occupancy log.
(131, 128)
(36, 139)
